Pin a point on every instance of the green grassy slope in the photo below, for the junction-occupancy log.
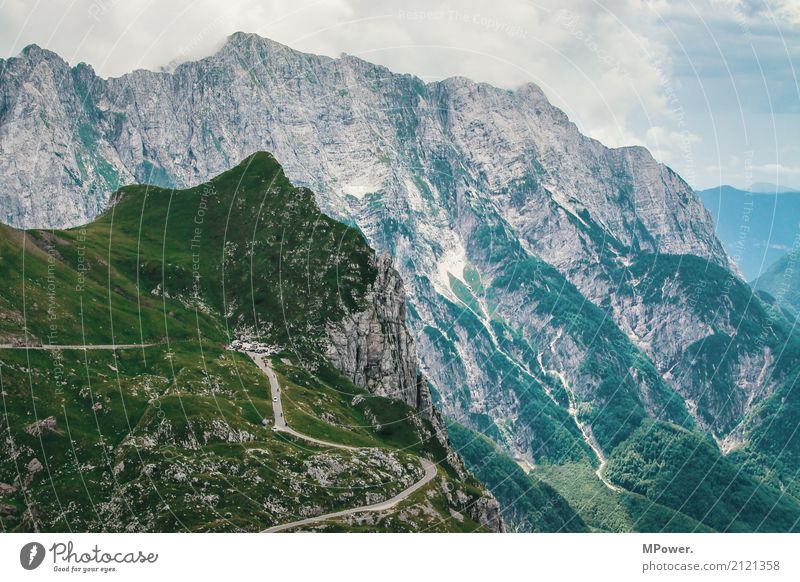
(168, 436)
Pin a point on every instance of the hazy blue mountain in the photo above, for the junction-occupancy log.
(770, 188)
(756, 228)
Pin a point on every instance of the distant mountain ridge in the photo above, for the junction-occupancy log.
(756, 228)
(769, 188)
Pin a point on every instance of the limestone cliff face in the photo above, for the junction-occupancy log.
(374, 348)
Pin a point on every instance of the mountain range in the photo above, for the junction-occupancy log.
(756, 228)
(572, 305)
(770, 188)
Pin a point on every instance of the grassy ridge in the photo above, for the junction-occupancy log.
(169, 436)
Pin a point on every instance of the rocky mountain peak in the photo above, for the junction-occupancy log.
(35, 53)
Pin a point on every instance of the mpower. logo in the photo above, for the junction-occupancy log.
(31, 555)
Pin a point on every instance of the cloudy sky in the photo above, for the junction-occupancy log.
(710, 86)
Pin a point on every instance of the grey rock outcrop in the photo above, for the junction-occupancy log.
(41, 426)
(374, 348)
(487, 513)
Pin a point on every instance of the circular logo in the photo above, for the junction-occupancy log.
(31, 555)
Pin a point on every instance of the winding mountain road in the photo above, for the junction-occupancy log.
(75, 346)
(277, 407)
(430, 473)
(281, 426)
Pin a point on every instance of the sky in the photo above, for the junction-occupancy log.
(709, 86)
